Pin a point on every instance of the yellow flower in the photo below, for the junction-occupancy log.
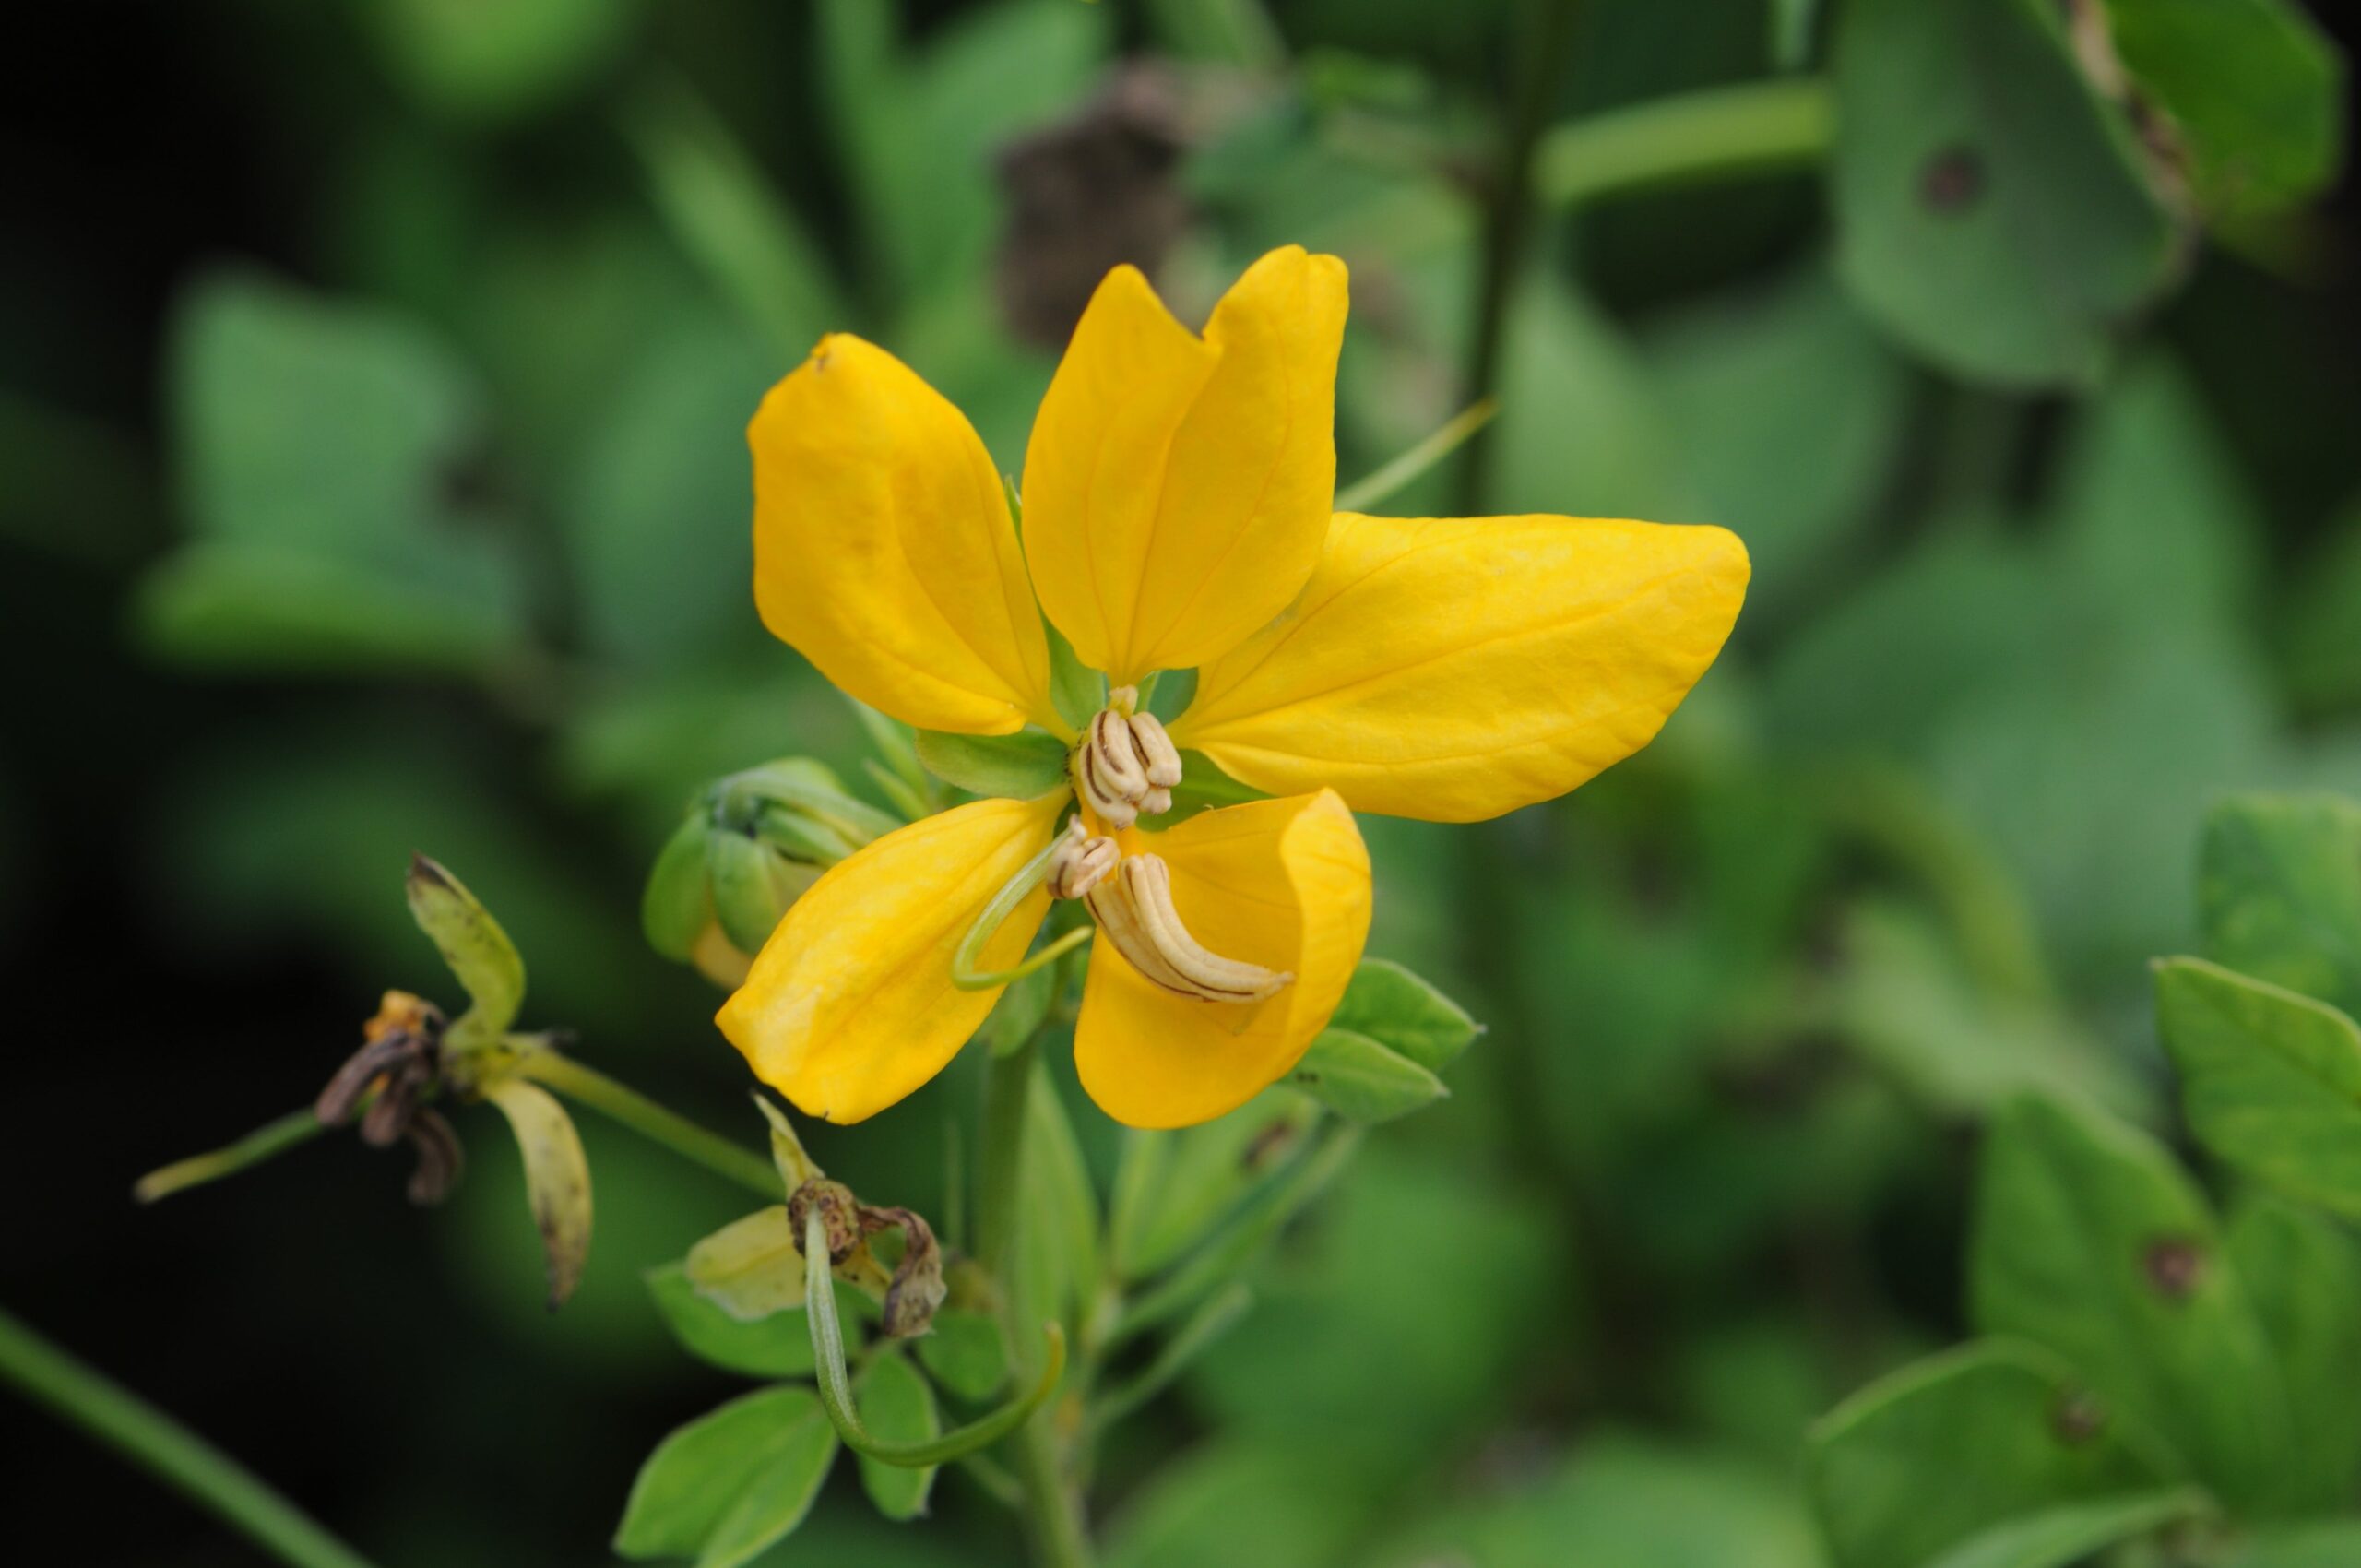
(1176, 516)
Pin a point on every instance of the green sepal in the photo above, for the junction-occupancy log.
(675, 905)
(747, 893)
(479, 952)
(1363, 1081)
(1076, 691)
(557, 1178)
(1405, 1013)
(1021, 767)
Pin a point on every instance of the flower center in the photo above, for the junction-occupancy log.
(1125, 765)
(1131, 898)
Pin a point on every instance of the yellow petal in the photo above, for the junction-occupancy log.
(1176, 488)
(1284, 884)
(851, 1004)
(883, 547)
(1454, 668)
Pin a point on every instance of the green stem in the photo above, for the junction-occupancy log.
(272, 1138)
(587, 1086)
(1374, 488)
(1710, 134)
(166, 1449)
(1052, 1505)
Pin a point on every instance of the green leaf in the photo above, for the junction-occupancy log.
(2330, 1545)
(1405, 1013)
(498, 61)
(235, 606)
(1174, 1187)
(778, 1345)
(1021, 767)
(2254, 88)
(2271, 1081)
(1578, 425)
(2304, 1273)
(1931, 1457)
(1991, 208)
(472, 942)
(966, 1354)
(1058, 1246)
(725, 214)
(2058, 1537)
(2280, 884)
(731, 1482)
(2090, 1241)
(749, 1268)
(1361, 1080)
(675, 905)
(2315, 628)
(896, 1406)
(557, 1178)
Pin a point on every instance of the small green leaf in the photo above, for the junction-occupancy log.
(1992, 210)
(896, 1406)
(1405, 1013)
(1361, 1080)
(788, 1154)
(751, 1267)
(557, 1178)
(966, 1354)
(675, 907)
(472, 942)
(731, 1482)
(2254, 88)
(1021, 767)
(2271, 1081)
(776, 1346)
(2304, 1273)
(1929, 1458)
(2060, 1537)
(2091, 1242)
(2280, 884)
(1019, 1013)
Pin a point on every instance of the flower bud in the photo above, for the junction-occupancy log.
(749, 846)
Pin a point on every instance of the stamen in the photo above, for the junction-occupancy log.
(1126, 765)
(1082, 860)
(1134, 910)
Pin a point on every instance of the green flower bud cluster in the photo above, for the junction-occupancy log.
(748, 847)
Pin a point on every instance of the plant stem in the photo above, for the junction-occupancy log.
(271, 1138)
(1710, 134)
(1052, 1505)
(1541, 54)
(620, 1101)
(166, 1449)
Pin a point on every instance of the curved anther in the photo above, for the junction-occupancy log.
(1081, 861)
(1125, 765)
(1135, 911)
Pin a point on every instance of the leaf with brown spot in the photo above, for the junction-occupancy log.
(557, 1178)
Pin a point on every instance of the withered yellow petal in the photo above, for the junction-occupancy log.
(883, 550)
(1283, 883)
(1177, 488)
(850, 1005)
(1455, 669)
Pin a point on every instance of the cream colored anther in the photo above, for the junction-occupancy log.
(1125, 765)
(1135, 911)
(1081, 861)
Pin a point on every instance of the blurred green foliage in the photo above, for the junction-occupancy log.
(2031, 392)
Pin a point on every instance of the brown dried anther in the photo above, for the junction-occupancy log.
(386, 1084)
